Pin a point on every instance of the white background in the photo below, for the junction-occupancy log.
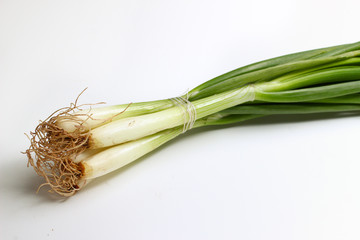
(275, 178)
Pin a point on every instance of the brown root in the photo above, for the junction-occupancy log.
(52, 151)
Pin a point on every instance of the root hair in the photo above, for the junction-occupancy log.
(52, 150)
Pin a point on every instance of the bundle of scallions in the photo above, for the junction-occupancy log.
(75, 145)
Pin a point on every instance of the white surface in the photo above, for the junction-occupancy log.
(269, 179)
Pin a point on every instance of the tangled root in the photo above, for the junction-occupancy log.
(52, 151)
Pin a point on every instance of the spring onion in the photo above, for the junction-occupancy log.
(75, 145)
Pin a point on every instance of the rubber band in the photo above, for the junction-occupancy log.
(188, 112)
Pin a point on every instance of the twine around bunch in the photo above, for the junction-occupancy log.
(188, 112)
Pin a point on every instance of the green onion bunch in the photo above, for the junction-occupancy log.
(75, 145)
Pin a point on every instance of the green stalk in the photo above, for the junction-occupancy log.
(340, 50)
(310, 94)
(323, 76)
(347, 99)
(269, 63)
(222, 84)
(287, 108)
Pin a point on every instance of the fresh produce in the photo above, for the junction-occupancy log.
(75, 145)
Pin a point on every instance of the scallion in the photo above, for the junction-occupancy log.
(75, 145)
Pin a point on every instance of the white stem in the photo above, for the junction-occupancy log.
(95, 117)
(86, 154)
(92, 117)
(116, 157)
(132, 128)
